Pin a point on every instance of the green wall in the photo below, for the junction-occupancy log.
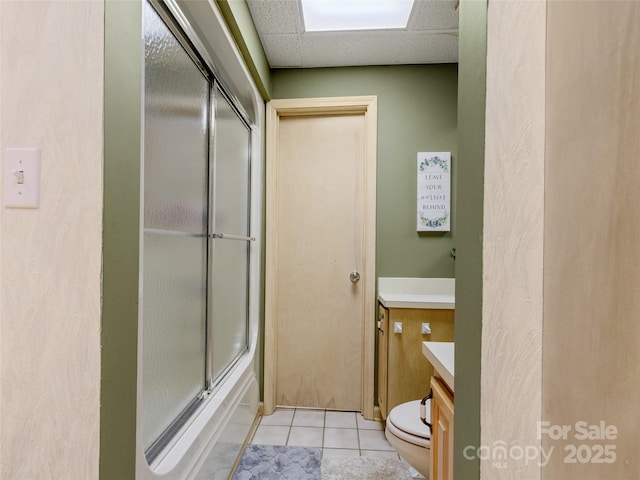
(416, 113)
(238, 18)
(468, 333)
(121, 224)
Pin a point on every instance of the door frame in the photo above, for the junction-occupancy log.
(276, 109)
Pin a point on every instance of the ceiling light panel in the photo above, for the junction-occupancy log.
(337, 15)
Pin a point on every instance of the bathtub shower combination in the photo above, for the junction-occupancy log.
(197, 386)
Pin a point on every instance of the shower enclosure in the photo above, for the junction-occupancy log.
(195, 233)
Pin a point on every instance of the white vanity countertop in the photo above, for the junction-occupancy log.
(436, 293)
(441, 355)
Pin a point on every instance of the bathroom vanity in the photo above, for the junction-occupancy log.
(441, 356)
(411, 311)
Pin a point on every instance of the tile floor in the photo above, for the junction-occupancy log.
(337, 433)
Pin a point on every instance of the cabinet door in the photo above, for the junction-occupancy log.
(409, 372)
(383, 343)
(442, 431)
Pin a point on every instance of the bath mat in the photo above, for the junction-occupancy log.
(359, 468)
(267, 462)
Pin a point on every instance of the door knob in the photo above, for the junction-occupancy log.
(354, 277)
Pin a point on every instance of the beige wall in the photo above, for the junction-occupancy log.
(52, 85)
(591, 346)
(562, 234)
(513, 236)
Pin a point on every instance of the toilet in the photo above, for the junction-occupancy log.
(409, 436)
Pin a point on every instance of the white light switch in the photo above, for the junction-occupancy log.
(397, 327)
(21, 178)
(426, 328)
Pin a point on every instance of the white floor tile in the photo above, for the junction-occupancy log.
(340, 420)
(271, 435)
(340, 452)
(305, 437)
(364, 424)
(373, 440)
(380, 454)
(308, 418)
(282, 416)
(341, 438)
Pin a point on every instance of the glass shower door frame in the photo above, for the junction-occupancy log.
(217, 236)
(210, 381)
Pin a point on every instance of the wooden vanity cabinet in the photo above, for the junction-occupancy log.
(442, 431)
(403, 372)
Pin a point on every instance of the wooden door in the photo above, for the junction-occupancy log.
(320, 230)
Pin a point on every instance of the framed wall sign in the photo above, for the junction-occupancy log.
(434, 192)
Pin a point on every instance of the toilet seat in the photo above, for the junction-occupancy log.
(404, 422)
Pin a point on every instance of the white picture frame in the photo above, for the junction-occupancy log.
(434, 192)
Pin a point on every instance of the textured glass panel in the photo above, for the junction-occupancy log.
(229, 302)
(174, 329)
(232, 170)
(176, 137)
(175, 209)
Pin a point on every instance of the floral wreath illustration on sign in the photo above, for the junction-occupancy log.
(434, 161)
(433, 222)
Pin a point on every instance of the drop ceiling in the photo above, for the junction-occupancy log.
(431, 36)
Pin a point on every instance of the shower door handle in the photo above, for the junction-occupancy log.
(354, 277)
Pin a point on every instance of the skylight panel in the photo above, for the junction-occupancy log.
(337, 15)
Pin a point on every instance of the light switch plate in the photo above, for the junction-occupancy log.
(21, 165)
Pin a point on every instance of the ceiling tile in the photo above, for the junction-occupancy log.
(368, 48)
(275, 16)
(434, 15)
(340, 49)
(429, 47)
(279, 24)
(283, 50)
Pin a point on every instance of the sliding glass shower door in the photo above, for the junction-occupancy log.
(230, 288)
(195, 233)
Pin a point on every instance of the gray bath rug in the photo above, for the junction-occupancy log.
(363, 468)
(267, 462)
